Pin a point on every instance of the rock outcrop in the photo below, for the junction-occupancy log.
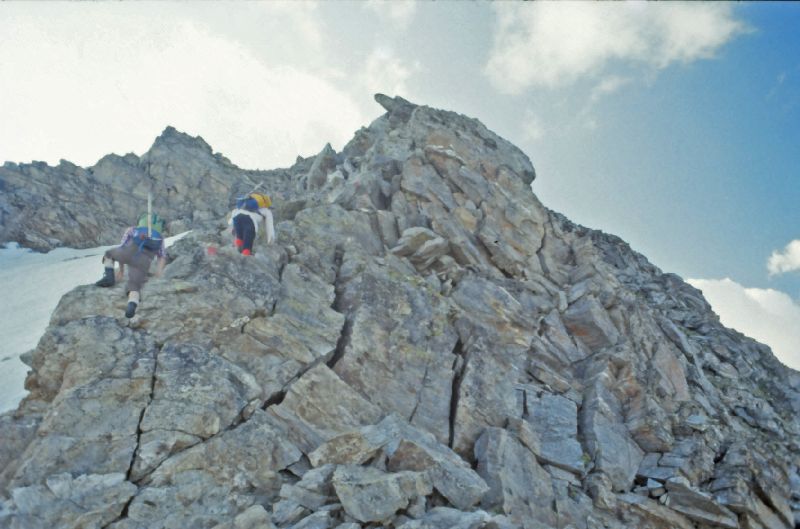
(426, 346)
(44, 207)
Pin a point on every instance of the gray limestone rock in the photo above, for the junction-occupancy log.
(253, 518)
(98, 378)
(445, 518)
(608, 442)
(644, 512)
(406, 448)
(399, 350)
(220, 471)
(318, 520)
(195, 396)
(517, 484)
(555, 420)
(88, 501)
(324, 163)
(494, 331)
(370, 495)
(697, 505)
(319, 406)
(588, 321)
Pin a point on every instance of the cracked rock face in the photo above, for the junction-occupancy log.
(426, 346)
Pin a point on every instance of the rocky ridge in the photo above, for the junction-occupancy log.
(426, 346)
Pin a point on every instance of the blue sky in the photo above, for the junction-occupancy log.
(675, 126)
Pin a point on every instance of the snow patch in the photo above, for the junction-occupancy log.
(32, 285)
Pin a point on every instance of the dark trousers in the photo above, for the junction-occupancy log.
(244, 229)
(138, 261)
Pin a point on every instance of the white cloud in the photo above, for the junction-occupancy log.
(608, 85)
(552, 44)
(532, 128)
(769, 316)
(399, 12)
(300, 21)
(88, 82)
(787, 260)
(387, 73)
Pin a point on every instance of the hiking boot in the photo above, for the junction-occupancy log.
(246, 252)
(131, 310)
(107, 280)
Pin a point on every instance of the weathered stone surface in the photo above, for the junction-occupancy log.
(195, 395)
(370, 495)
(450, 475)
(407, 448)
(313, 491)
(288, 512)
(320, 233)
(318, 520)
(324, 163)
(97, 377)
(526, 435)
(517, 484)
(220, 471)
(647, 513)
(320, 406)
(18, 432)
(599, 488)
(697, 505)
(444, 518)
(224, 456)
(743, 468)
(399, 352)
(494, 331)
(253, 518)
(303, 329)
(421, 179)
(88, 501)
(607, 440)
(588, 321)
(673, 374)
(649, 425)
(555, 420)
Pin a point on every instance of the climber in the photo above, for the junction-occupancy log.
(140, 244)
(249, 212)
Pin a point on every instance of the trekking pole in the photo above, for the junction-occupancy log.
(149, 214)
(255, 188)
(252, 190)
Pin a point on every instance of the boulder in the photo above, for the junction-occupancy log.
(607, 440)
(555, 420)
(407, 448)
(319, 406)
(696, 505)
(589, 322)
(89, 500)
(371, 495)
(517, 484)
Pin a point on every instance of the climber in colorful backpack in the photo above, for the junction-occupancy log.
(249, 212)
(139, 245)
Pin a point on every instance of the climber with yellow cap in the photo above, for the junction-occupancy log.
(251, 211)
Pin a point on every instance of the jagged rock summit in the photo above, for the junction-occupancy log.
(426, 347)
